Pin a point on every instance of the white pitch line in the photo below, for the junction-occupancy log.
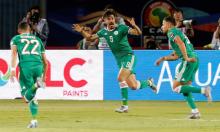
(214, 120)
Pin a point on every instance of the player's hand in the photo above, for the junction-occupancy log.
(100, 20)
(131, 21)
(191, 59)
(77, 28)
(13, 76)
(157, 63)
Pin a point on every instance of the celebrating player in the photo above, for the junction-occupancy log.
(32, 64)
(183, 49)
(116, 36)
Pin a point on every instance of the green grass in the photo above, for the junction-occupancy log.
(99, 116)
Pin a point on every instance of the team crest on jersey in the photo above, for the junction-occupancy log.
(115, 32)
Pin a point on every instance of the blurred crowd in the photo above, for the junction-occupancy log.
(40, 28)
(149, 42)
(39, 25)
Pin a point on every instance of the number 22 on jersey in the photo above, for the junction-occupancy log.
(27, 42)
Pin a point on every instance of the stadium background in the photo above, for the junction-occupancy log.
(103, 85)
(91, 74)
(61, 15)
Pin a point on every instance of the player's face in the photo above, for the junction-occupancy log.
(110, 21)
(178, 16)
(165, 26)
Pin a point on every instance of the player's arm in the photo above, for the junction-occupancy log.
(123, 16)
(13, 61)
(44, 59)
(96, 28)
(135, 30)
(86, 35)
(217, 32)
(171, 57)
(182, 47)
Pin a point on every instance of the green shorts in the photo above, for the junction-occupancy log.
(28, 77)
(127, 62)
(186, 71)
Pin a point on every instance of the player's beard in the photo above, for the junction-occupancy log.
(111, 25)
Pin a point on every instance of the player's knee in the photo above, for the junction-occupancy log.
(133, 86)
(121, 79)
(176, 89)
(123, 84)
(185, 94)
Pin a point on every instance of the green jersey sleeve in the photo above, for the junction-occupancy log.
(125, 29)
(100, 33)
(13, 41)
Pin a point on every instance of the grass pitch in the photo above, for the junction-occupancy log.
(99, 116)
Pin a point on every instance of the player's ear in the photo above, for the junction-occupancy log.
(19, 31)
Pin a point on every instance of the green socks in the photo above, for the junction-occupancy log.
(144, 84)
(30, 93)
(190, 89)
(190, 101)
(33, 106)
(124, 93)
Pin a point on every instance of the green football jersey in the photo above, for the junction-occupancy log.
(172, 33)
(117, 40)
(29, 49)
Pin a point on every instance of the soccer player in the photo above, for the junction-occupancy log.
(116, 36)
(183, 49)
(32, 64)
(103, 44)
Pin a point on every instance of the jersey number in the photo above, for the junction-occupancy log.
(111, 39)
(27, 43)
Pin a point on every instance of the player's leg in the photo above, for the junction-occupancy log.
(124, 64)
(26, 92)
(129, 63)
(195, 114)
(122, 76)
(25, 80)
(135, 84)
(33, 104)
(188, 96)
(186, 88)
(29, 78)
(32, 77)
(186, 73)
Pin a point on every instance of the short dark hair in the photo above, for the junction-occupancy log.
(109, 12)
(23, 25)
(170, 19)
